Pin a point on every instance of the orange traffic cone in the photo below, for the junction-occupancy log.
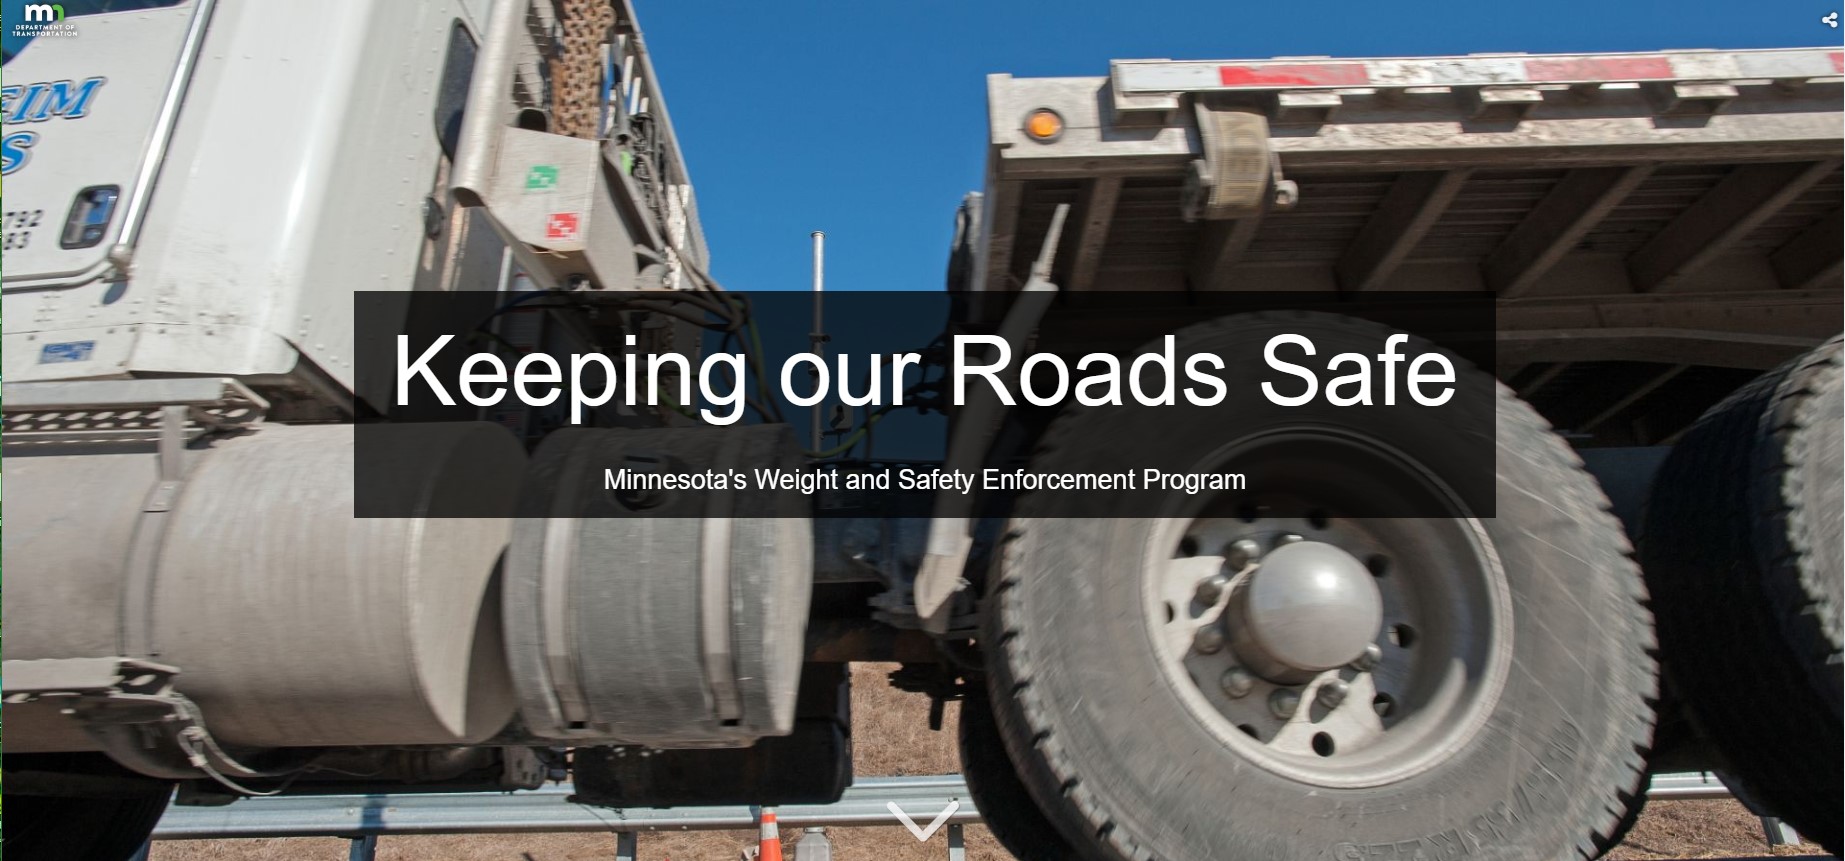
(770, 845)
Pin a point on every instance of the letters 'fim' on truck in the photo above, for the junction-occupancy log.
(193, 612)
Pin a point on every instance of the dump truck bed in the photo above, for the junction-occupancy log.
(1658, 226)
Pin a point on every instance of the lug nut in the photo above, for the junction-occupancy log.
(1237, 682)
(1287, 193)
(1367, 660)
(1284, 702)
(1239, 554)
(1333, 693)
(1208, 640)
(1286, 539)
(1210, 589)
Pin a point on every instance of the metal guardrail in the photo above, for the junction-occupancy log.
(1694, 785)
(364, 818)
(549, 810)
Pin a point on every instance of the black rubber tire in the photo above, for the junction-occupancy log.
(43, 828)
(1006, 806)
(1106, 745)
(1741, 547)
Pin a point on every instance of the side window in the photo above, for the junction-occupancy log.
(452, 91)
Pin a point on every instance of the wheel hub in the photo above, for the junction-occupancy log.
(1336, 651)
(1308, 607)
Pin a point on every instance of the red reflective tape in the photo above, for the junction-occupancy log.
(1295, 75)
(1838, 61)
(1599, 69)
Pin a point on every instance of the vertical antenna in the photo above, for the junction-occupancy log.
(817, 338)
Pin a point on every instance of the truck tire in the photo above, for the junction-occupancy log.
(1006, 806)
(1741, 547)
(44, 828)
(1533, 620)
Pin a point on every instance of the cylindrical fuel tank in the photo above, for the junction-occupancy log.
(671, 618)
(292, 622)
(69, 522)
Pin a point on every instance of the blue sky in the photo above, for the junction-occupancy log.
(866, 119)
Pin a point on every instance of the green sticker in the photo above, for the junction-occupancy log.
(542, 177)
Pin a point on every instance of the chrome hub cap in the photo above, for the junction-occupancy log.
(1305, 608)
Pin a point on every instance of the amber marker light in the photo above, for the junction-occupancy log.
(1044, 125)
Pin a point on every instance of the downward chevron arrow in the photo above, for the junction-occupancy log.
(922, 834)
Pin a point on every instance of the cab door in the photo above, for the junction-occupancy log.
(85, 92)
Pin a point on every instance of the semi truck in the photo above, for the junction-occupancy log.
(198, 611)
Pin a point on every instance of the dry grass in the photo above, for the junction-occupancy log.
(1700, 829)
(891, 737)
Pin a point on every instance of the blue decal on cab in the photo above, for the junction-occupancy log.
(15, 149)
(68, 351)
(37, 103)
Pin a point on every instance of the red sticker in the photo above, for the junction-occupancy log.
(1294, 75)
(561, 226)
(1600, 69)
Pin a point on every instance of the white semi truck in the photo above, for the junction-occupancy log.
(194, 612)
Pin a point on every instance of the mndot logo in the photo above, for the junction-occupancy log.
(41, 19)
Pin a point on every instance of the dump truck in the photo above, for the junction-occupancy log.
(238, 566)
(1660, 236)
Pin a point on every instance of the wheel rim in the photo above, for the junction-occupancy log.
(1297, 684)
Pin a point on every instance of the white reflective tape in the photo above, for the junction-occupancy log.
(1167, 77)
(1788, 64)
(1401, 73)
(1705, 67)
(1445, 72)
